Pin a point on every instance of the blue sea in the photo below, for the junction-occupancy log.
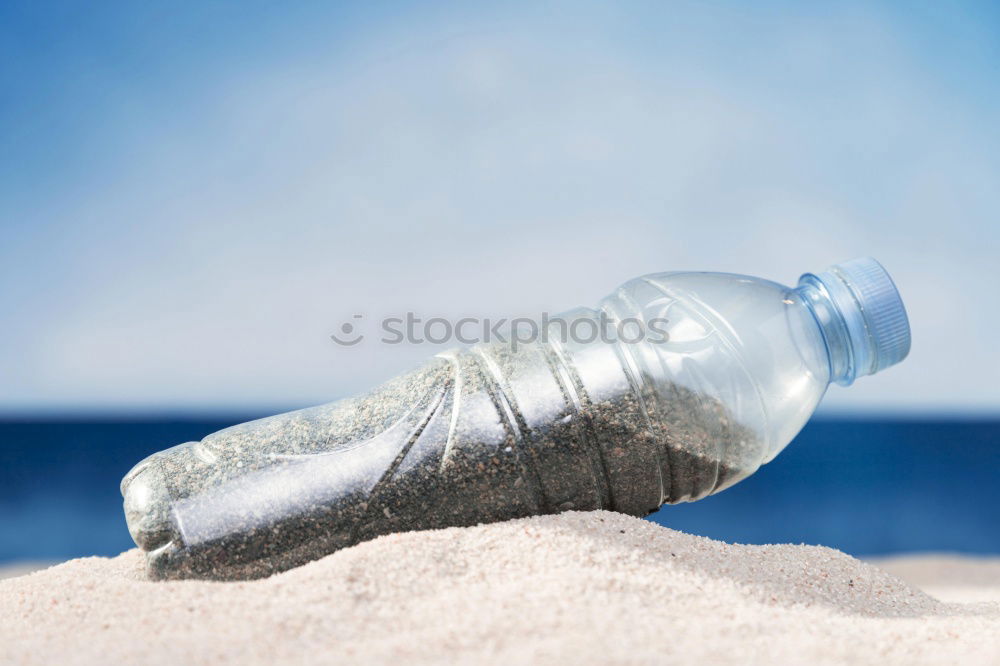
(866, 486)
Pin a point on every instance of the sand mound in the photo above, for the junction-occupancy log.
(576, 588)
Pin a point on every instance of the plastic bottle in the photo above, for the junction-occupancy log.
(726, 373)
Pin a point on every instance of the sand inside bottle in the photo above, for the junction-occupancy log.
(473, 436)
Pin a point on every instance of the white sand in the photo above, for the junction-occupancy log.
(572, 589)
(954, 578)
(23, 568)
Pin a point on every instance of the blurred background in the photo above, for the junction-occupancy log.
(194, 196)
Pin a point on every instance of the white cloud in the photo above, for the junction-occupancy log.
(516, 170)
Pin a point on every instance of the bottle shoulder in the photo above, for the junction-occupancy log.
(750, 342)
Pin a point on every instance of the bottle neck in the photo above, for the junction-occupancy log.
(849, 347)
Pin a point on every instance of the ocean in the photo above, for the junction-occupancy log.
(867, 486)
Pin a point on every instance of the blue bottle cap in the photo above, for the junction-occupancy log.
(872, 312)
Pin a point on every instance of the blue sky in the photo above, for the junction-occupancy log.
(193, 197)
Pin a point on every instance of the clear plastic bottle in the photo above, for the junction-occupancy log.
(726, 371)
